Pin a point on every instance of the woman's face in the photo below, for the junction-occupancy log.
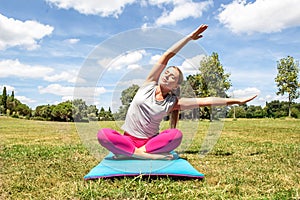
(169, 78)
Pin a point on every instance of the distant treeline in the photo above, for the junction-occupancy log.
(77, 110)
(68, 111)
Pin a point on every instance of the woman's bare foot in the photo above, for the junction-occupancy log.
(142, 154)
(121, 157)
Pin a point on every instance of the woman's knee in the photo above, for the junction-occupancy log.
(179, 133)
(178, 136)
(176, 133)
(103, 134)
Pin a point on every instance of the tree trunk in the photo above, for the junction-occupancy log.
(210, 114)
(290, 113)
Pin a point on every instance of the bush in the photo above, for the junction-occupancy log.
(38, 118)
(295, 113)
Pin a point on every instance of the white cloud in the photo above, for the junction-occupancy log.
(263, 98)
(24, 34)
(129, 59)
(269, 98)
(126, 84)
(248, 92)
(9, 89)
(244, 93)
(191, 66)
(70, 91)
(66, 98)
(182, 10)
(25, 100)
(9, 68)
(264, 16)
(105, 62)
(134, 67)
(145, 26)
(93, 7)
(259, 76)
(160, 2)
(57, 89)
(72, 40)
(15, 68)
(154, 59)
(69, 76)
(88, 94)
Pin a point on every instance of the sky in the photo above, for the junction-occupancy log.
(58, 50)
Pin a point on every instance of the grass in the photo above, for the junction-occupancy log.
(253, 159)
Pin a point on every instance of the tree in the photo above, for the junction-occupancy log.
(126, 98)
(80, 112)
(237, 112)
(187, 90)
(4, 100)
(255, 112)
(22, 109)
(92, 113)
(195, 83)
(214, 80)
(277, 109)
(62, 112)
(105, 115)
(211, 81)
(295, 110)
(102, 114)
(43, 112)
(13, 95)
(110, 116)
(287, 79)
(128, 94)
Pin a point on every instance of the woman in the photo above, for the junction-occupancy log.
(155, 99)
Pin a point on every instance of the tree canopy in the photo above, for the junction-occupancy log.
(126, 98)
(211, 81)
(287, 79)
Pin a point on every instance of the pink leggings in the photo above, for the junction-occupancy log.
(117, 143)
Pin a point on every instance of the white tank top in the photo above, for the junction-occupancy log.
(145, 112)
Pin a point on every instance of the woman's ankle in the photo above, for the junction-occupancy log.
(141, 154)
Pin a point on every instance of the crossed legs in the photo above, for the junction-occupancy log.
(158, 147)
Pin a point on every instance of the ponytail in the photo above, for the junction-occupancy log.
(174, 116)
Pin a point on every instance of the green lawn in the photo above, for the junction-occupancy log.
(253, 159)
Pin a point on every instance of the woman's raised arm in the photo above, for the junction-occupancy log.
(160, 65)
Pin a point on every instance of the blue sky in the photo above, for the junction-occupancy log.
(55, 50)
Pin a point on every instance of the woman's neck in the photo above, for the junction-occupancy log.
(161, 93)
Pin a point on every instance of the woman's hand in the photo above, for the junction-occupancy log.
(197, 33)
(243, 101)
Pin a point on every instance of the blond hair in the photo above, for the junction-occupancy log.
(174, 116)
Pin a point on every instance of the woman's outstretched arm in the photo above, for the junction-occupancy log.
(160, 65)
(190, 103)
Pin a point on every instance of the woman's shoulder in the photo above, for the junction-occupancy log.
(147, 88)
(150, 83)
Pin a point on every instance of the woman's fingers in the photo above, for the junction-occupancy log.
(197, 34)
(248, 99)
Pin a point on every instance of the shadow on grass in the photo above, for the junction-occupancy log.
(216, 153)
(149, 178)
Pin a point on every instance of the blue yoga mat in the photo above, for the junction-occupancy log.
(110, 167)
